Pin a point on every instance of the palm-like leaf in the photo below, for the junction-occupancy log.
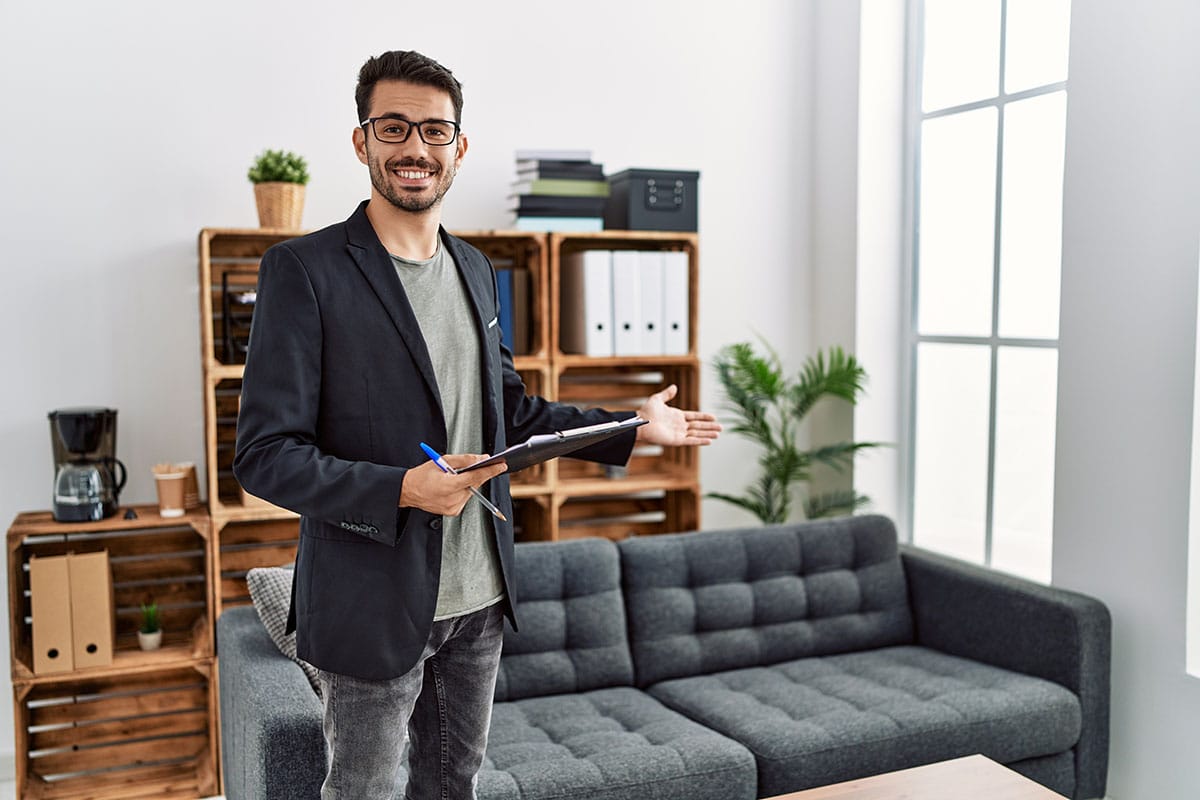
(840, 455)
(840, 502)
(841, 377)
(768, 408)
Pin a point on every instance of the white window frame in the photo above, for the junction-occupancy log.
(914, 117)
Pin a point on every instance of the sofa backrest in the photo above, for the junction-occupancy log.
(710, 601)
(569, 606)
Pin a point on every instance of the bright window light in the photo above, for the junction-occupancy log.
(1031, 216)
(958, 213)
(962, 52)
(1038, 32)
(988, 137)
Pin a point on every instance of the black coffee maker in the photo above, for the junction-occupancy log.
(87, 475)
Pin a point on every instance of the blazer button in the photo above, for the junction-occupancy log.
(435, 524)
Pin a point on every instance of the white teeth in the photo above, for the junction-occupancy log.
(410, 175)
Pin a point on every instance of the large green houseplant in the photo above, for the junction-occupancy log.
(768, 407)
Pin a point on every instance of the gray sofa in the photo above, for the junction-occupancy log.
(735, 664)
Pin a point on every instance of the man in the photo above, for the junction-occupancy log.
(370, 337)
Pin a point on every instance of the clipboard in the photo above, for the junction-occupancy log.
(545, 446)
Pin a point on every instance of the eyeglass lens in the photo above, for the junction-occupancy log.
(433, 132)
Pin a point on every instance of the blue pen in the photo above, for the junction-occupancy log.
(444, 467)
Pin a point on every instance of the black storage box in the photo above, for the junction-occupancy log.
(652, 200)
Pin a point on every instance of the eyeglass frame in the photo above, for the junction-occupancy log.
(411, 125)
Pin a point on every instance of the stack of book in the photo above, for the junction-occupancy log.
(558, 190)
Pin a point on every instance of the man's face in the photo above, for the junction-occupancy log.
(412, 176)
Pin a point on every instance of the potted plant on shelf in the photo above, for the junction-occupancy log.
(279, 177)
(150, 633)
(768, 408)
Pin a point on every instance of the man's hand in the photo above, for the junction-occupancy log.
(673, 427)
(428, 488)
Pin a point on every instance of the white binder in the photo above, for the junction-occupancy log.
(675, 303)
(627, 304)
(585, 315)
(650, 273)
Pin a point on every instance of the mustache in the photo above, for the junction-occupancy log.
(413, 163)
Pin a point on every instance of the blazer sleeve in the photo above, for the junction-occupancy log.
(277, 456)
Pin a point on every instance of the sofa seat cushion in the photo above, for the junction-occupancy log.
(815, 721)
(605, 745)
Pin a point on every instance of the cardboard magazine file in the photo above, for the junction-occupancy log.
(92, 611)
(50, 607)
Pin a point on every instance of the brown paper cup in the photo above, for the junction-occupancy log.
(191, 489)
(171, 487)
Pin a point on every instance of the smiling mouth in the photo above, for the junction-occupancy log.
(412, 174)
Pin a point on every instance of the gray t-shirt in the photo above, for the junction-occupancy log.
(470, 566)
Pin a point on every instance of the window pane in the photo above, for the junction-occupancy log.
(1031, 216)
(950, 476)
(957, 221)
(1036, 43)
(962, 52)
(1023, 502)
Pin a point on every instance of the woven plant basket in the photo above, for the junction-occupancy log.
(280, 205)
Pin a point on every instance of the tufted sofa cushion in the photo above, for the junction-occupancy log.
(572, 636)
(609, 744)
(816, 721)
(705, 602)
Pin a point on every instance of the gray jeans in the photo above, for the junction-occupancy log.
(444, 703)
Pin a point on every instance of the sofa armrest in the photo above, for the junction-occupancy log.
(999, 619)
(271, 739)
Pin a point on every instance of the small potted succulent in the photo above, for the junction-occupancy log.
(150, 633)
(279, 177)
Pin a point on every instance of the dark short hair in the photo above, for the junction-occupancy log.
(409, 66)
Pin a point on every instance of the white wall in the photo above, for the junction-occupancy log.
(1131, 244)
(129, 126)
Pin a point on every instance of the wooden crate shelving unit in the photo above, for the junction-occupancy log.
(246, 532)
(145, 725)
(658, 492)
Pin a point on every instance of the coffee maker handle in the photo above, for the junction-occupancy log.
(120, 483)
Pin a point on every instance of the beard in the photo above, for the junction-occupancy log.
(409, 200)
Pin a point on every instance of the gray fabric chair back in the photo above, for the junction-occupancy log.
(704, 602)
(573, 636)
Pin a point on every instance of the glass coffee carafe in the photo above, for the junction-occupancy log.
(87, 475)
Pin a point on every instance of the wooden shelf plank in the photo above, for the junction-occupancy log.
(38, 523)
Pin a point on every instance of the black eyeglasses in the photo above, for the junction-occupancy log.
(394, 130)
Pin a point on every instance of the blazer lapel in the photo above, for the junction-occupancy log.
(376, 266)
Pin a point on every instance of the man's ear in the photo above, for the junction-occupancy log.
(461, 150)
(360, 144)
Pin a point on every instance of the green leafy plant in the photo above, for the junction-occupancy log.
(149, 618)
(768, 408)
(278, 165)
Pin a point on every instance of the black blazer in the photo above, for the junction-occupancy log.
(337, 393)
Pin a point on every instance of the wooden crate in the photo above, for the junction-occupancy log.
(563, 244)
(165, 561)
(243, 545)
(624, 386)
(620, 516)
(143, 734)
(524, 251)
